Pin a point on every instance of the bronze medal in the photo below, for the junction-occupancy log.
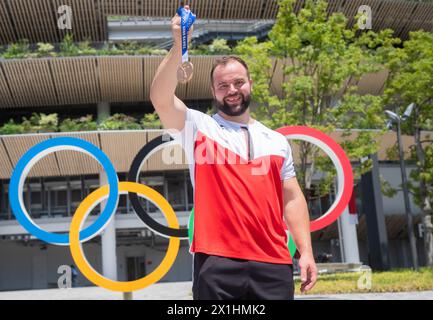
(185, 71)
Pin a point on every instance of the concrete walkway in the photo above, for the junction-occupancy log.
(182, 291)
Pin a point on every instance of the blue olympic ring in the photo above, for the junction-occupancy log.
(36, 153)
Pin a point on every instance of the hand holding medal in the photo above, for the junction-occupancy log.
(187, 18)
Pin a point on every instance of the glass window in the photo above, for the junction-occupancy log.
(61, 198)
(190, 193)
(148, 204)
(4, 206)
(156, 183)
(176, 193)
(121, 207)
(318, 205)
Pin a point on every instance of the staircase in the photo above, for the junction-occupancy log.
(203, 33)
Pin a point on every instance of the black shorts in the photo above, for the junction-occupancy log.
(220, 278)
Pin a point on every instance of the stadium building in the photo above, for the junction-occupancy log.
(105, 85)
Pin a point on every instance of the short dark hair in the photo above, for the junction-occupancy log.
(223, 61)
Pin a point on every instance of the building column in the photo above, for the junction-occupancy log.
(68, 196)
(108, 236)
(3, 197)
(349, 238)
(372, 206)
(108, 241)
(103, 111)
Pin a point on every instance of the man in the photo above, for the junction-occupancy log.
(245, 188)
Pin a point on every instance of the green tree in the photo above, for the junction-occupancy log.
(411, 81)
(321, 60)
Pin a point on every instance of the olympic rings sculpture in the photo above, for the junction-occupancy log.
(111, 192)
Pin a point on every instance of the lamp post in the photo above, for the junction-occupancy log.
(394, 118)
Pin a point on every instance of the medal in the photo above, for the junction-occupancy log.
(185, 71)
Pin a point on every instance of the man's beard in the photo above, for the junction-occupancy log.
(230, 109)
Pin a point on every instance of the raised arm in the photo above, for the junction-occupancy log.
(171, 110)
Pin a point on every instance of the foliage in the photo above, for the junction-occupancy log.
(45, 50)
(386, 188)
(151, 121)
(411, 81)
(217, 47)
(40, 123)
(81, 124)
(119, 121)
(210, 111)
(108, 49)
(319, 60)
(128, 47)
(11, 128)
(17, 50)
(67, 47)
(85, 49)
(424, 172)
(158, 52)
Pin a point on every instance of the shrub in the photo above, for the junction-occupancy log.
(151, 121)
(68, 47)
(41, 123)
(45, 50)
(85, 49)
(219, 46)
(158, 52)
(11, 128)
(119, 121)
(81, 124)
(17, 50)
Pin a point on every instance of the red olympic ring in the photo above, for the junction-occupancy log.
(340, 160)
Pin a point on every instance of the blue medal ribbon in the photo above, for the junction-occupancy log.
(187, 18)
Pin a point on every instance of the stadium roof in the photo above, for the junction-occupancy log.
(86, 80)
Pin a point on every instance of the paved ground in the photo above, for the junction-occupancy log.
(182, 291)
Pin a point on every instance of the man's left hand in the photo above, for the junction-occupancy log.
(308, 272)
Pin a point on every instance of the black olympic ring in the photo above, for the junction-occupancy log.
(133, 176)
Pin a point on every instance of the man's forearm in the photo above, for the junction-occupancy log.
(298, 222)
(166, 78)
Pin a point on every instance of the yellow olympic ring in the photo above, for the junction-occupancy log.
(77, 251)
